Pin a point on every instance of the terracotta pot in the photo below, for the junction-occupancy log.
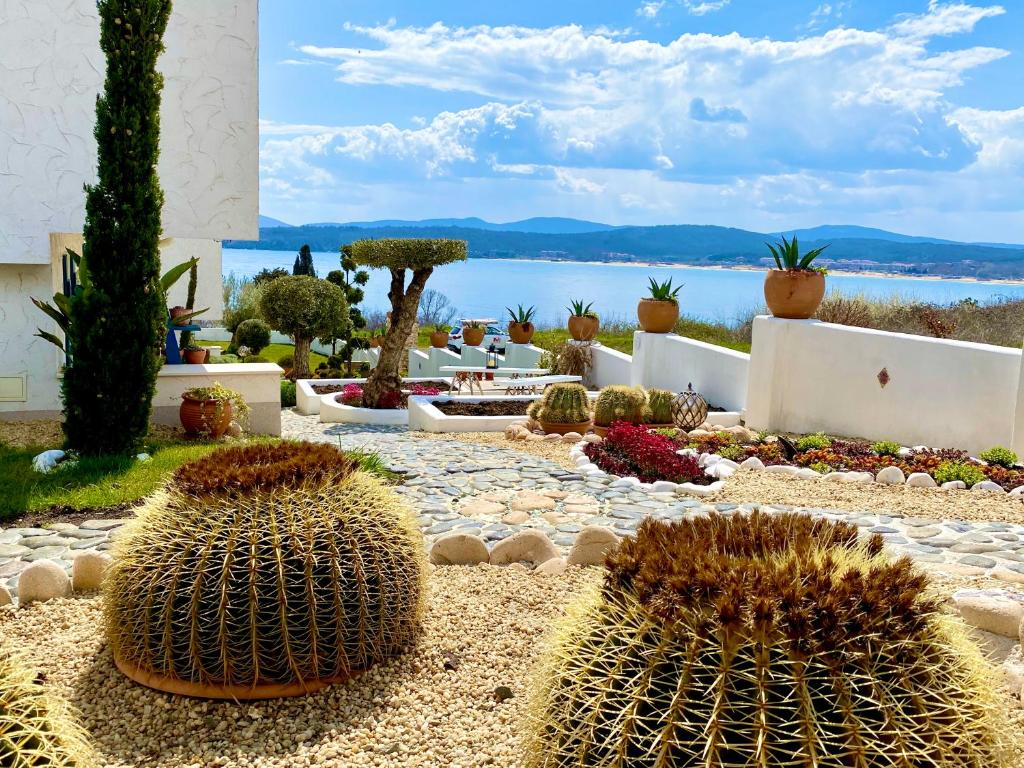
(601, 431)
(176, 313)
(205, 417)
(474, 337)
(195, 356)
(521, 333)
(563, 429)
(583, 328)
(794, 294)
(439, 339)
(657, 316)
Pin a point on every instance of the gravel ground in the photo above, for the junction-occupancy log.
(551, 450)
(486, 622)
(770, 488)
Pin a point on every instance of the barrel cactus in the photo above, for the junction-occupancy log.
(564, 404)
(659, 406)
(619, 403)
(264, 571)
(36, 729)
(761, 641)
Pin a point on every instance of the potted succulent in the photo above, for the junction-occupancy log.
(659, 312)
(564, 408)
(583, 321)
(473, 333)
(794, 289)
(439, 336)
(618, 403)
(208, 411)
(658, 411)
(521, 328)
(194, 354)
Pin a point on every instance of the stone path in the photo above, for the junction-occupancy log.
(494, 492)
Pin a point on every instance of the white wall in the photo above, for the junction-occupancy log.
(610, 367)
(807, 376)
(258, 383)
(668, 361)
(51, 69)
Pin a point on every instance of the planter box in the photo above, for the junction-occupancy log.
(259, 384)
(423, 416)
(307, 402)
(333, 412)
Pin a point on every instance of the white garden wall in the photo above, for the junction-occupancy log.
(808, 376)
(610, 367)
(668, 361)
(258, 383)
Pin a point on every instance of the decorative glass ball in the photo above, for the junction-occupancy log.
(689, 409)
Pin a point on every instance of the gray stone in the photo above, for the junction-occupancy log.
(459, 549)
(978, 561)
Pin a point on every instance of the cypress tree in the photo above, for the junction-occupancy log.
(304, 263)
(119, 319)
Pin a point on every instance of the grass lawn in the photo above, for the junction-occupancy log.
(91, 482)
(274, 352)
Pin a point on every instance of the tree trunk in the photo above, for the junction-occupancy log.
(404, 305)
(302, 357)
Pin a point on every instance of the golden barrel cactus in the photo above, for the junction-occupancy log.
(761, 641)
(265, 571)
(37, 730)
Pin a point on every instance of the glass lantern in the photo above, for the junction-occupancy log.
(492, 362)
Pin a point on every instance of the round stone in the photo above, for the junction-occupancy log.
(988, 485)
(525, 546)
(592, 544)
(921, 480)
(88, 570)
(554, 567)
(954, 485)
(5, 596)
(459, 549)
(531, 501)
(753, 463)
(890, 476)
(43, 580)
(992, 610)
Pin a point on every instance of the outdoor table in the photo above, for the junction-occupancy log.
(466, 375)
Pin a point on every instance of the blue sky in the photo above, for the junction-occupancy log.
(766, 116)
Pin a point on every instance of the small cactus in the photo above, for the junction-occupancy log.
(36, 729)
(761, 641)
(659, 406)
(619, 403)
(297, 573)
(564, 404)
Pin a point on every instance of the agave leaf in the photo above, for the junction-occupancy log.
(183, 319)
(810, 256)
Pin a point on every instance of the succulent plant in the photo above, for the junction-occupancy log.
(663, 291)
(564, 404)
(1000, 456)
(578, 309)
(787, 254)
(816, 442)
(659, 406)
(36, 729)
(619, 403)
(887, 448)
(264, 571)
(950, 471)
(761, 641)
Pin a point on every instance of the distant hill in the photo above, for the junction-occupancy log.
(697, 245)
(540, 225)
(266, 222)
(854, 232)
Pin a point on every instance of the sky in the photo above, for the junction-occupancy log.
(905, 115)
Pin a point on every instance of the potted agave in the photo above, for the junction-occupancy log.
(208, 411)
(583, 321)
(473, 333)
(659, 312)
(439, 336)
(794, 289)
(521, 328)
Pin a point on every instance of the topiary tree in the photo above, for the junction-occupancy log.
(108, 386)
(351, 280)
(303, 308)
(266, 274)
(254, 334)
(304, 263)
(263, 571)
(762, 641)
(36, 729)
(398, 256)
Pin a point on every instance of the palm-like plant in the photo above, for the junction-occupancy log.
(522, 316)
(664, 291)
(578, 309)
(787, 254)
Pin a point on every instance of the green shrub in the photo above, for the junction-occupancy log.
(195, 598)
(1000, 456)
(257, 359)
(886, 448)
(821, 467)
(287, 362)
(659, 406)
(761, 640)
(287, 393)
(36, 729)
(948, 471)
(563, 404)
(222, 359)
(619, 403)
(254, 334)
(733, 452)
(815, 442)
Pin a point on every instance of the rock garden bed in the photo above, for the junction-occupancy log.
(483, 407)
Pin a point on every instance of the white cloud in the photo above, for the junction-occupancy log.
(752, 121)
(709, 6)
(650, 9)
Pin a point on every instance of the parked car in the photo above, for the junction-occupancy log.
(493, 334)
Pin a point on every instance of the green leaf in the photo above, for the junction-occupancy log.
(174, 274)
(50, 338)
(60, 318)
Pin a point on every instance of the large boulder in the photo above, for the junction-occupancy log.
(993, 610)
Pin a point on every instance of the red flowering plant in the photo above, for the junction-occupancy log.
(351, 394)
(630, 450)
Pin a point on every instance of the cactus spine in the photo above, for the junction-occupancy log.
(564, 404)
(619, 403)
(267, 591)
(659, 406)
(36, 729)
(761, 641)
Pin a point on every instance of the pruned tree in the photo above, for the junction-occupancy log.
(398, 256)
(351, 280)
(303, 308)
(109, 383)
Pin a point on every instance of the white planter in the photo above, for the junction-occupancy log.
(724, 419)
(307, 402)
(423, 416)
(333, 412)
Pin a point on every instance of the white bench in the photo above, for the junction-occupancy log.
(537, 384)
